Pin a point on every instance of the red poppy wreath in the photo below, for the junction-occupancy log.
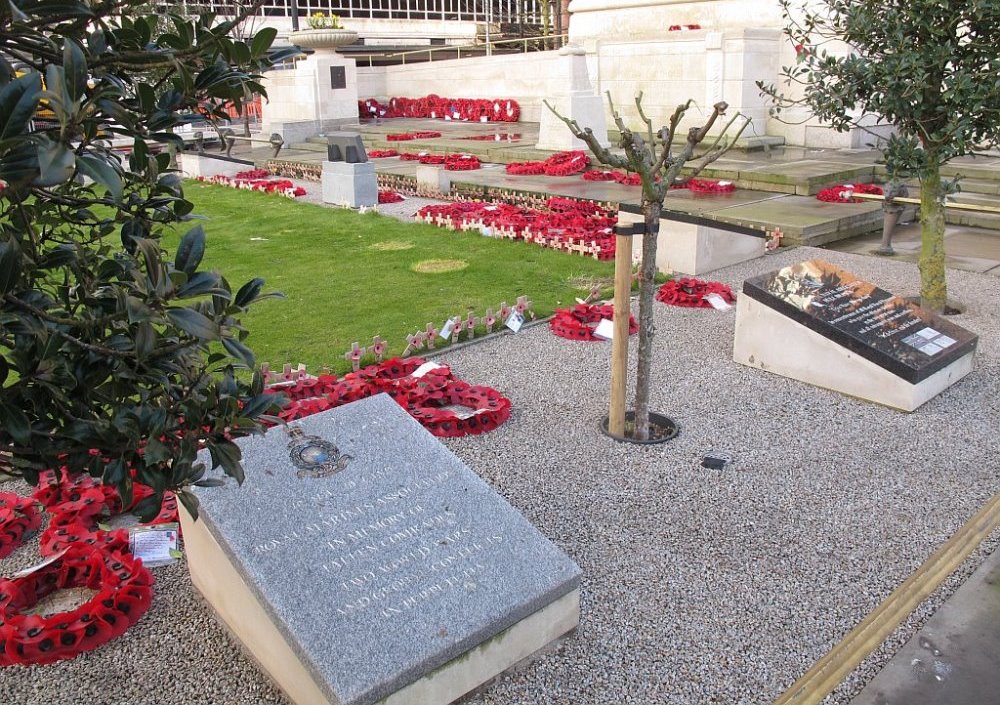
(692, 292)
(578, 322)
(123, 594)
(18, 516)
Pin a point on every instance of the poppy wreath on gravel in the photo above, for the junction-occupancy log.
(123, 594)
(382, 153)
(19, 516)
(422, 397)
(578, 323)
(839, 194)
(691, 292)
(489, 410)
(79, 521)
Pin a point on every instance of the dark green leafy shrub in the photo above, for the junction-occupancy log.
(113, 356)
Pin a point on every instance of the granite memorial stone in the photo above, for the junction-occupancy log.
(820, 324)
(361, 562)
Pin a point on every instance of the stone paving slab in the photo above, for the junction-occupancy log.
(955, 657)
(969, 249)
(711, 204)
(804, 177)
(804, 220)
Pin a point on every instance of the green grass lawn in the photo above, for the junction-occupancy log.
(343, 282)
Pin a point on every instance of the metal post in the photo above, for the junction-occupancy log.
(295, 15)
(489, 21)
(619, 341)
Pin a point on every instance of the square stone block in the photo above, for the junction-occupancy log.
(352, 185)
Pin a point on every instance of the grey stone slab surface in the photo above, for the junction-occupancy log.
(708, 204)
(955, 658)
(804, 220)
(389, 568)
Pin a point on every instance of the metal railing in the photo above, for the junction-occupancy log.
(526, 44)
(528, 12)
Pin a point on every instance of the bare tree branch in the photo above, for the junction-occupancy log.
(587, 135)
(642, 114)
(668, 141)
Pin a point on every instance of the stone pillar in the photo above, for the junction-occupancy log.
(572, 94)
(320, 94)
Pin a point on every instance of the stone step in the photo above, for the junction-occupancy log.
(977, 186)
(746, 143)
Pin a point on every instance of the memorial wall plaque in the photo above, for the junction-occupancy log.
(338, 77)
(891, 332)
(377, 554)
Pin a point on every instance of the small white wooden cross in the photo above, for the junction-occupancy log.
(490, 320)
(504, 311)
(431, 334)
(523, 306)
(354, 355)
(470, 324)
(414, 342)
(378, 348)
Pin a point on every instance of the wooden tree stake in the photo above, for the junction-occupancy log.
(619, 342)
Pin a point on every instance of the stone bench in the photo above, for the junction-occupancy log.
(229, 138)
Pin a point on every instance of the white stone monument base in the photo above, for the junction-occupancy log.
(694, 249)
(770, 341)
(435, 177)
(689, 248)
(219, 582)
(587, 110)
(351, 185)
(194, 165)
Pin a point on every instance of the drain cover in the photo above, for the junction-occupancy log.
(716, 461)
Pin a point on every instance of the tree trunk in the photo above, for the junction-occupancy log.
(647, 286)
(933, 290)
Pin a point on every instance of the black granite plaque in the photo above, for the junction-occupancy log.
(895, 334)
(338, 77)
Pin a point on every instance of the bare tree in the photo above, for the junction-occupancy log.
(653, 158)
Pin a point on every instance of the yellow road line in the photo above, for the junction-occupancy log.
(827, 673)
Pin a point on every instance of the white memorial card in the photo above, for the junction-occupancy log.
(717, 302)
(605, 329)
(515, 321)
(155, 545)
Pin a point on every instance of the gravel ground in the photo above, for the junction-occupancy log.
(699, 586)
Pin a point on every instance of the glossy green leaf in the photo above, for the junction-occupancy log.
(103, 172)
(10, 266)
(239, 351)
(18, 102)
(190, 250)
(74, 70)
(194, 323)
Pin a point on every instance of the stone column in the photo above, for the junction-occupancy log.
(320, 94)
(572, 94)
